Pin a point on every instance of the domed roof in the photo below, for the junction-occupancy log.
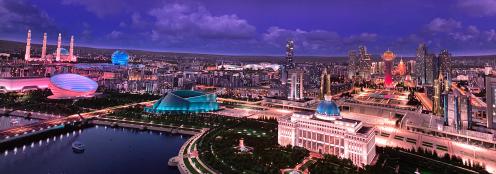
(388, 56)
(120, 57)
(328, 108)
(73, 82)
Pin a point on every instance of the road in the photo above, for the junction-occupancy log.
(47, 124)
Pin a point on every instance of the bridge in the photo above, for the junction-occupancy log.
(45, 125)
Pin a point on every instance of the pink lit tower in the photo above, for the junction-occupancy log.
(27, 56)
(72, 58)
(59, 43)
(43, 48)
(388, 58)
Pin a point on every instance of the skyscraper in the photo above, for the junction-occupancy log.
(352, 63)
(325, 84)
(59, 43)
(424, 66)
(27, 55)
(401, 68)
(490, 99)
(438, 87)
(43, 48)
(388, 58)
(445, 64)
(289, 55)
(365, 63)
(295, 80)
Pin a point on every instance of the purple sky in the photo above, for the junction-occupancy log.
(259, 27)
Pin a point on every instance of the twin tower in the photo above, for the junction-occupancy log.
(59, 55)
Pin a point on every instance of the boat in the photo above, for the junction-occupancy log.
(15, 121)
(78, 147)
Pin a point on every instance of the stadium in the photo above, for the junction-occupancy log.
(70, 86)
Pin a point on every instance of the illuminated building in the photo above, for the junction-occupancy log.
(20, 84)
(120, 58)
(424, 66)
(27, 55)
(289, 55)
(490, 99)
(365, 63)
(70, 86)
(59, 43)
(295, 81)
(445, 64)
(352, 64)
(325, 84)
(185, 101)
(44, 47)
(437, 107)
(401, 68)
(327, 132)
(388, 58)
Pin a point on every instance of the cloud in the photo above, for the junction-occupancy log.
(478, 7)
(114, 34)
(190, 20)
(18, 15)
(316, 41)
(443, 25)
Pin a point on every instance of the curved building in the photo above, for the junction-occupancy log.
(68, 86)
(120, 57)
(185, 101)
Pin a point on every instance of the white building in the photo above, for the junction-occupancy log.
(328, 132)
(296, 85)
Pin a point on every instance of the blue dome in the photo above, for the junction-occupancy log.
(64, 52)
(328, 108)
(120, 58)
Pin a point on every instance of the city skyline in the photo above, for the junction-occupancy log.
(259, 28)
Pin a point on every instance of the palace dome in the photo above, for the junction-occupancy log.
(328, 108)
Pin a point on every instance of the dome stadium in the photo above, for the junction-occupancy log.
(69, 86)
(120, 57)
(185, 101)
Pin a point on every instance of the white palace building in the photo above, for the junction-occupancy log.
(327, 132)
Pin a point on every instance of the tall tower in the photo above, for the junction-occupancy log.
(365, 62)
(352, 64)
(27, 56)
(437, 107)
(490, 99)
(72, 58)
(420, 67)
(388, 58)
(43, 48)
(401, 68)
(325, 84)
(289, 55)
(296, 85)
(59, 43)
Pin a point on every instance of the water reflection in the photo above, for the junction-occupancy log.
(147, 150)
(11, 121)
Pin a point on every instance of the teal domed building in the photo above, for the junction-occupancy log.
(185, 101)
(328, 110)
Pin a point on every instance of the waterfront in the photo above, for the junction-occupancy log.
(108, 150)
(5, 121)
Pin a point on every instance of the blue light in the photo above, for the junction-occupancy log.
(185, 101)
(328, 108)
(120, 58)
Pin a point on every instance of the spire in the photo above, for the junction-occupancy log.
(71, 50)
(43, 48)
(59, 42)
(27, 56)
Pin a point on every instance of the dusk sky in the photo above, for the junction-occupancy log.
(258, 27)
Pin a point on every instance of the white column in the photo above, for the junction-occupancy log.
(59, 43)
(71, 50)
(43, 48)
(27, 56)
